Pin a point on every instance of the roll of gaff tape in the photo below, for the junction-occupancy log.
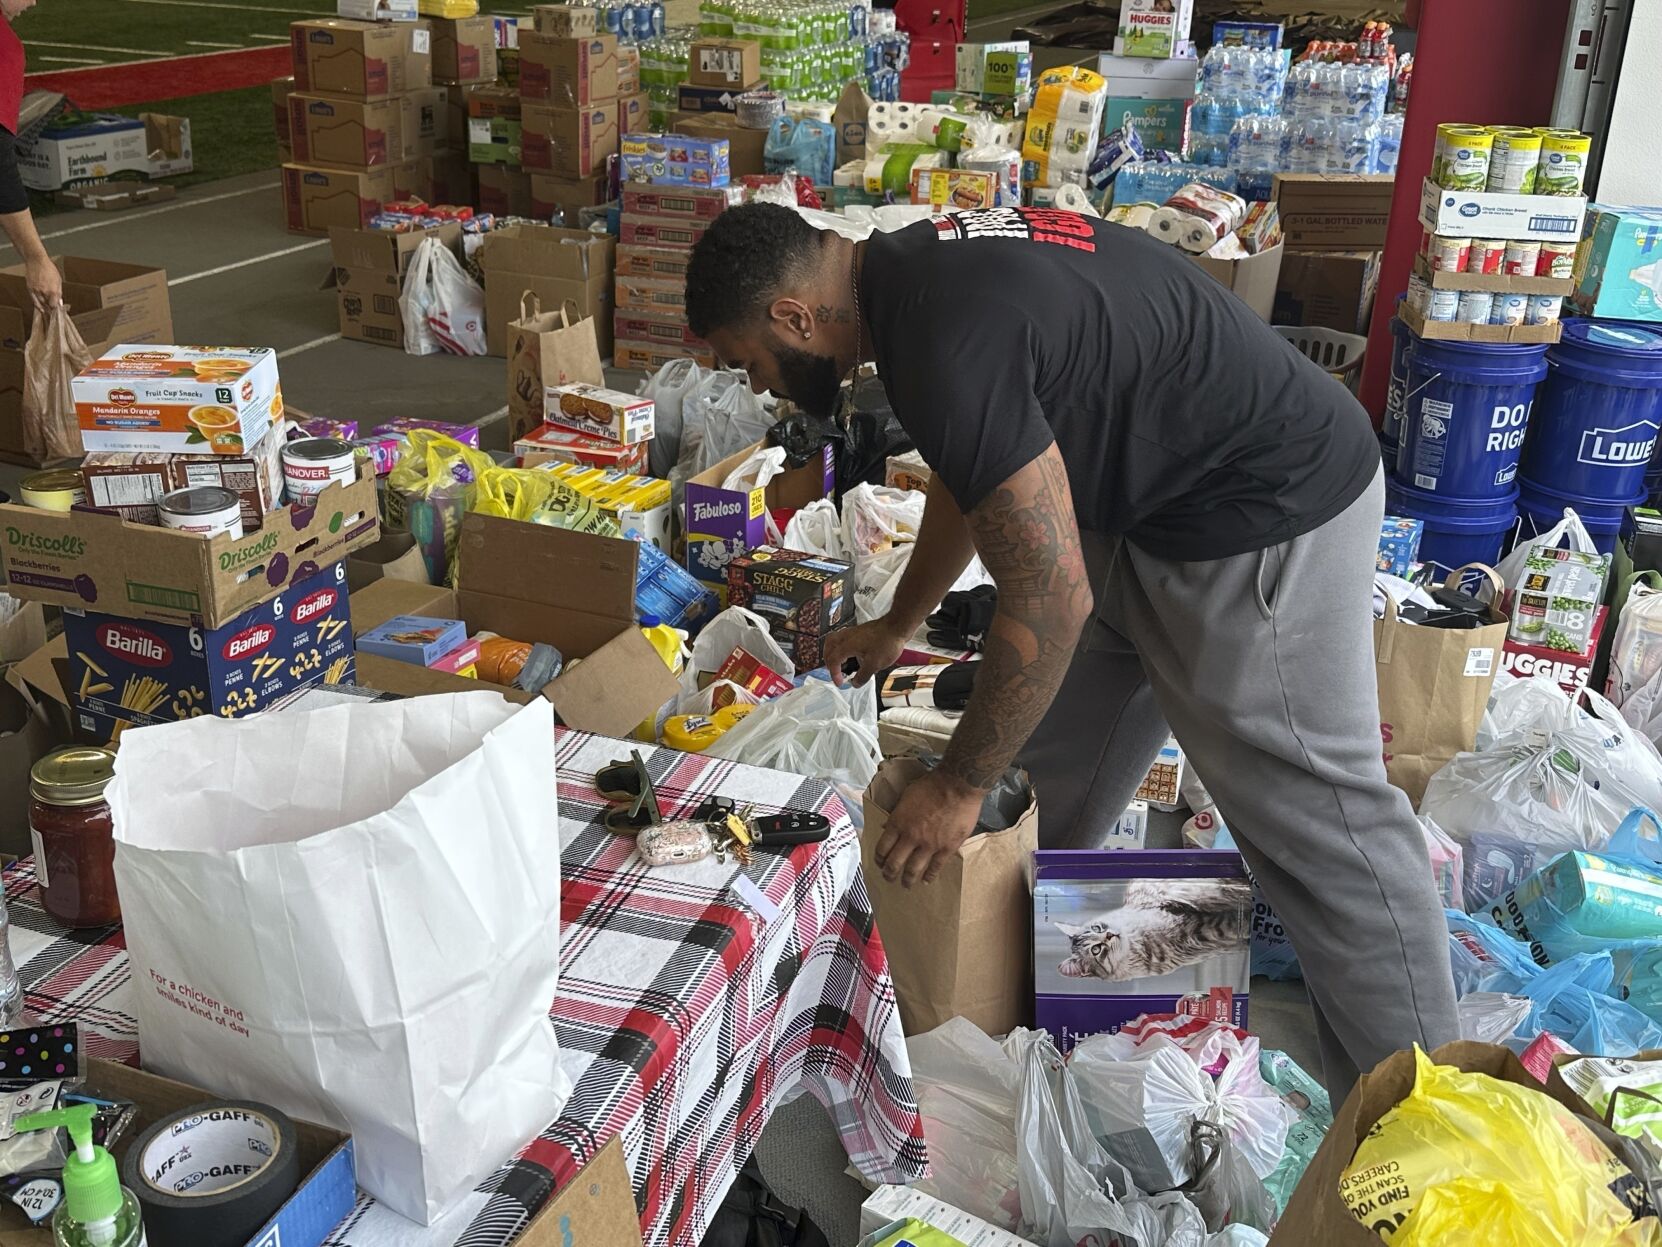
(212, 1174)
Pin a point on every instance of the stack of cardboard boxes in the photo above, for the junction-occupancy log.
(364, 121)
(579, 90)
(718, 71)
(1334, 225)
(660, 224)
(466, 59)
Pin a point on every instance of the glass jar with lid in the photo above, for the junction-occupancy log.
(74, 836)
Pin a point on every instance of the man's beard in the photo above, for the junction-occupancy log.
(811, 381)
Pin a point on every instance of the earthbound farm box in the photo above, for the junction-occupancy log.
(181, 399)
(89, 560)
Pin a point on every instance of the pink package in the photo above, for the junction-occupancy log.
(1212, 1044)
(1537, 1058)
(467, 434)
(383, 452)
(316, 426)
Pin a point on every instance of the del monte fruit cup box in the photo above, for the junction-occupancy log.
(178, 399)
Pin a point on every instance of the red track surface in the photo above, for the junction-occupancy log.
(139, 82)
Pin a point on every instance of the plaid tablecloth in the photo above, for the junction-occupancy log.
(685, 1016)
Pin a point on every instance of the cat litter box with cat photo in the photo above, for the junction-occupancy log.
(1118, 934)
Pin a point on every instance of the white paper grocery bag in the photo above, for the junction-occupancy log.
(354, 914)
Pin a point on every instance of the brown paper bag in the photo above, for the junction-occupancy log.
(547, 348)
(1433, 687)
(1316, 1214)
(960, 946)
(52, 356)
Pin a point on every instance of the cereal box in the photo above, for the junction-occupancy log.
(596, 411)
(129, 672)
(1399, 544)
(179, 399)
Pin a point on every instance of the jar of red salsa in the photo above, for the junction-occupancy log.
(74, 837)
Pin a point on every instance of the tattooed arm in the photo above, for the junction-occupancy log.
(1026, 534)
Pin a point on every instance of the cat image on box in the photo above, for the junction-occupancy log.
(1163, 925)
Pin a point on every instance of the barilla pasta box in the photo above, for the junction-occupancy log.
(552, 444)
(133, 673)
(596, 411)
(1117, 934)
(178, 399)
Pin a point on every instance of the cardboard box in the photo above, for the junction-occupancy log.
(595, 411)
(569, 143)
(378, 10)
(281, 89)
(1618, 268)
(317, 198)
(505, 190)
(420, 639)
(692, 98)
(1253, 279)
(355, 134)
(454, 178)
(731, 63)
(1495, 283)
(663, 297)
(495, 140)
(744, 147)
(1072, 889)
(1148, 78)
(366, 60)
(722, 524)
(668, 330)
(167, 139)
(1451, 331)
(551, 195)
(665, 263)
(650, 231)
(1481, 214)
(803, 598)
(567, 72)
(566, 21)
(634, 112)
(628, 70)
(464, 49)
(1334, 211)
(392, 557)
(651, 356)
(556, 265)
(367, 300)
(675, 160)
(549, 443)
(995, 68)
(85, 149)
(1333, 290)
(131, 484)
(595, 1209)
(534, 582)
(693, 202)
(131, 673)
(327, 1187)
(176, 399)
(139, 291)
(83, 559)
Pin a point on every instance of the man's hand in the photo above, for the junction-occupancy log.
(45, 283)
(876, 646)
(930, 822)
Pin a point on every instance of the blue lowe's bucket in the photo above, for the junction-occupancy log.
(1539, 509)
(1457, 530)
(1464, 412)
(1597, 413)
(1390, 428)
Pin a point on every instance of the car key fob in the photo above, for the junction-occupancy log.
(715, 808)
(790, 828)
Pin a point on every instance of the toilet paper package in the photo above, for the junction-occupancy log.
(1062, 126)
(890, 122)
(889, 170)
(1197, 217)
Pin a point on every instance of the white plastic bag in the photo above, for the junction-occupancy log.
(1569, 532)
(817, 529)
(318, 937)
(1492, 1017)
(875, 518)
(735, 628)
(1636, 651)
(702, 701)
(443, 309)
(756, 470)
(877, 577)
(1141, 1106)
(816, 730)
(968, 1090)
(667, 388)
(734, 418)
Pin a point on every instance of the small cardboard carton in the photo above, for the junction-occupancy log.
(89, 560)
(1486, 214)
(464, 49)
(1253, 279)
(421, 639)
(730, 63)
(532, 582)
(803, 597)
(177, 399)
(317, 198)
(1154, 28)
(131, 483)
(744, 147)
(327, 1190)
(569, 143)
(566, 21)
(133, 673)
(138, 290)
(567, 72)
(358, 134)
(651, 356)
(363, 60)
(1333, 290)
(1334, 211)
(628, 70)
(675, 159)
(692, 98)
(653, 231)
(693, 202)
(664, 297)
(552, 444)
(662, 263)
(995, 68)
(722, 524)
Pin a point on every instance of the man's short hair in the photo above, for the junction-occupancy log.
(739, 266)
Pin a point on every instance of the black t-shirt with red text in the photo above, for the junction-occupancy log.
(1187, 424)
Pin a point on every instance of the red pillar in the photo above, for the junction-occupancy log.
(1485, 62)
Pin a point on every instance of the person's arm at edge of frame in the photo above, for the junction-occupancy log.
(1027, 536)
(943, 550)
(44, 281)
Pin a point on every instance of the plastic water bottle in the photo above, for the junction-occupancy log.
(11, 987)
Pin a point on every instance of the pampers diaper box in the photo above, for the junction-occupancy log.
(178, 399)
(1121, 933)
(1618, 267)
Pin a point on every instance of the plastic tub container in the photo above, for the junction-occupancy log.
(1465, 410)
(1457, 530)
(1594, 429)
(1390, 428)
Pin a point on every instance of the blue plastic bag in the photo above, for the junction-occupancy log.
(807, 146)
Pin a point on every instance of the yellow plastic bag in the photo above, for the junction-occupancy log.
(512, 493)
(1469, 1159)
(431, 486)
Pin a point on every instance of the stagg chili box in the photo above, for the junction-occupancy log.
(1119, 933)
(721, 524)
(178, 399)
(803, 597)
(133, 673)
(90, 560)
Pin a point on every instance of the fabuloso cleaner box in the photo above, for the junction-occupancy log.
(178, 399)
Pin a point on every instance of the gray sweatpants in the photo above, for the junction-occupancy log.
(1263, 666)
